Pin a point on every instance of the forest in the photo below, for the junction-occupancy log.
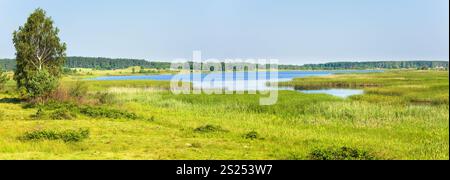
(379, 65)
(111, 64)
(97, 63)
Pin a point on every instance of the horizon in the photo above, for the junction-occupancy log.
(326, 62)
(344, 31)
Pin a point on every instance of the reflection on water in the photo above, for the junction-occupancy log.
(343, 93)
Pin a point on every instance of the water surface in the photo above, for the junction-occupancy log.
(343, 93)
(241, 81)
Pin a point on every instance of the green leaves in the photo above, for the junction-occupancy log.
(39, 54)
(41, 84)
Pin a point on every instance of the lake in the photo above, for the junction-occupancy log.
(343, 93)
(240, 81)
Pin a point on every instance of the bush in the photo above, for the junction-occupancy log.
(63, 114)
(70, 110)
(209, 129)
(41, 84)
(60, 94)
(79, 90)
(59, 114)
(66, 136)
(55, 105)
(343, 153)
(67, 110)
(100, 112)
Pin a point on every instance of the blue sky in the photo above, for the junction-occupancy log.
(293, 31)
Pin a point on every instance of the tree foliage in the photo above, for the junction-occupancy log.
(42, 83)
(110, 64)
(379, 64)
(39, 54)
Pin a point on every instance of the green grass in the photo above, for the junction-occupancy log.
(403, 115)
(95, 85)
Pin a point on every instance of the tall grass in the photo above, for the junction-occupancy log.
(405, 116)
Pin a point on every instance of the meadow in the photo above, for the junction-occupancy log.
(404, 114)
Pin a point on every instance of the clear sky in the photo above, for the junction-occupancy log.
(293, 31)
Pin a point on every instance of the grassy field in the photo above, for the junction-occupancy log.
(402, 115)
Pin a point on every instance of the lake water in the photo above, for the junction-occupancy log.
(240, 81)
(343, 93)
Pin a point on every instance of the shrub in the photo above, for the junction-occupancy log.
(55, 105)
(60, 94)
(99, 112)
(79, 90)
(67, 110)
(209, 129)
(66, 136)
(63, 114)
(41, 84)
(343, 153)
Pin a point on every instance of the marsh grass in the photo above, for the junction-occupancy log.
(407, 87)
(405, 116)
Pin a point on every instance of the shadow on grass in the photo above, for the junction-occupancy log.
(11, 100)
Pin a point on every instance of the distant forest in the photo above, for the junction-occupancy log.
(110, 64)
(379, 65)
(98, 63)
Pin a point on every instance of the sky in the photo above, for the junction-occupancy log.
(293, 31)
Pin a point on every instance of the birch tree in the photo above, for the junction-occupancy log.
(39, 52)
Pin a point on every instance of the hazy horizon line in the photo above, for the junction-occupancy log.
(322, 62)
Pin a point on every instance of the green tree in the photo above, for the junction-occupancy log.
(39, 54)
(3, 78)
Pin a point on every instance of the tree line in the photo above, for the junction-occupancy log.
(379, 65)
(110, 64)
(96, 63)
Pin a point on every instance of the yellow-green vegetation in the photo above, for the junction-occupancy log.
(134, 70)
(402, 115)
